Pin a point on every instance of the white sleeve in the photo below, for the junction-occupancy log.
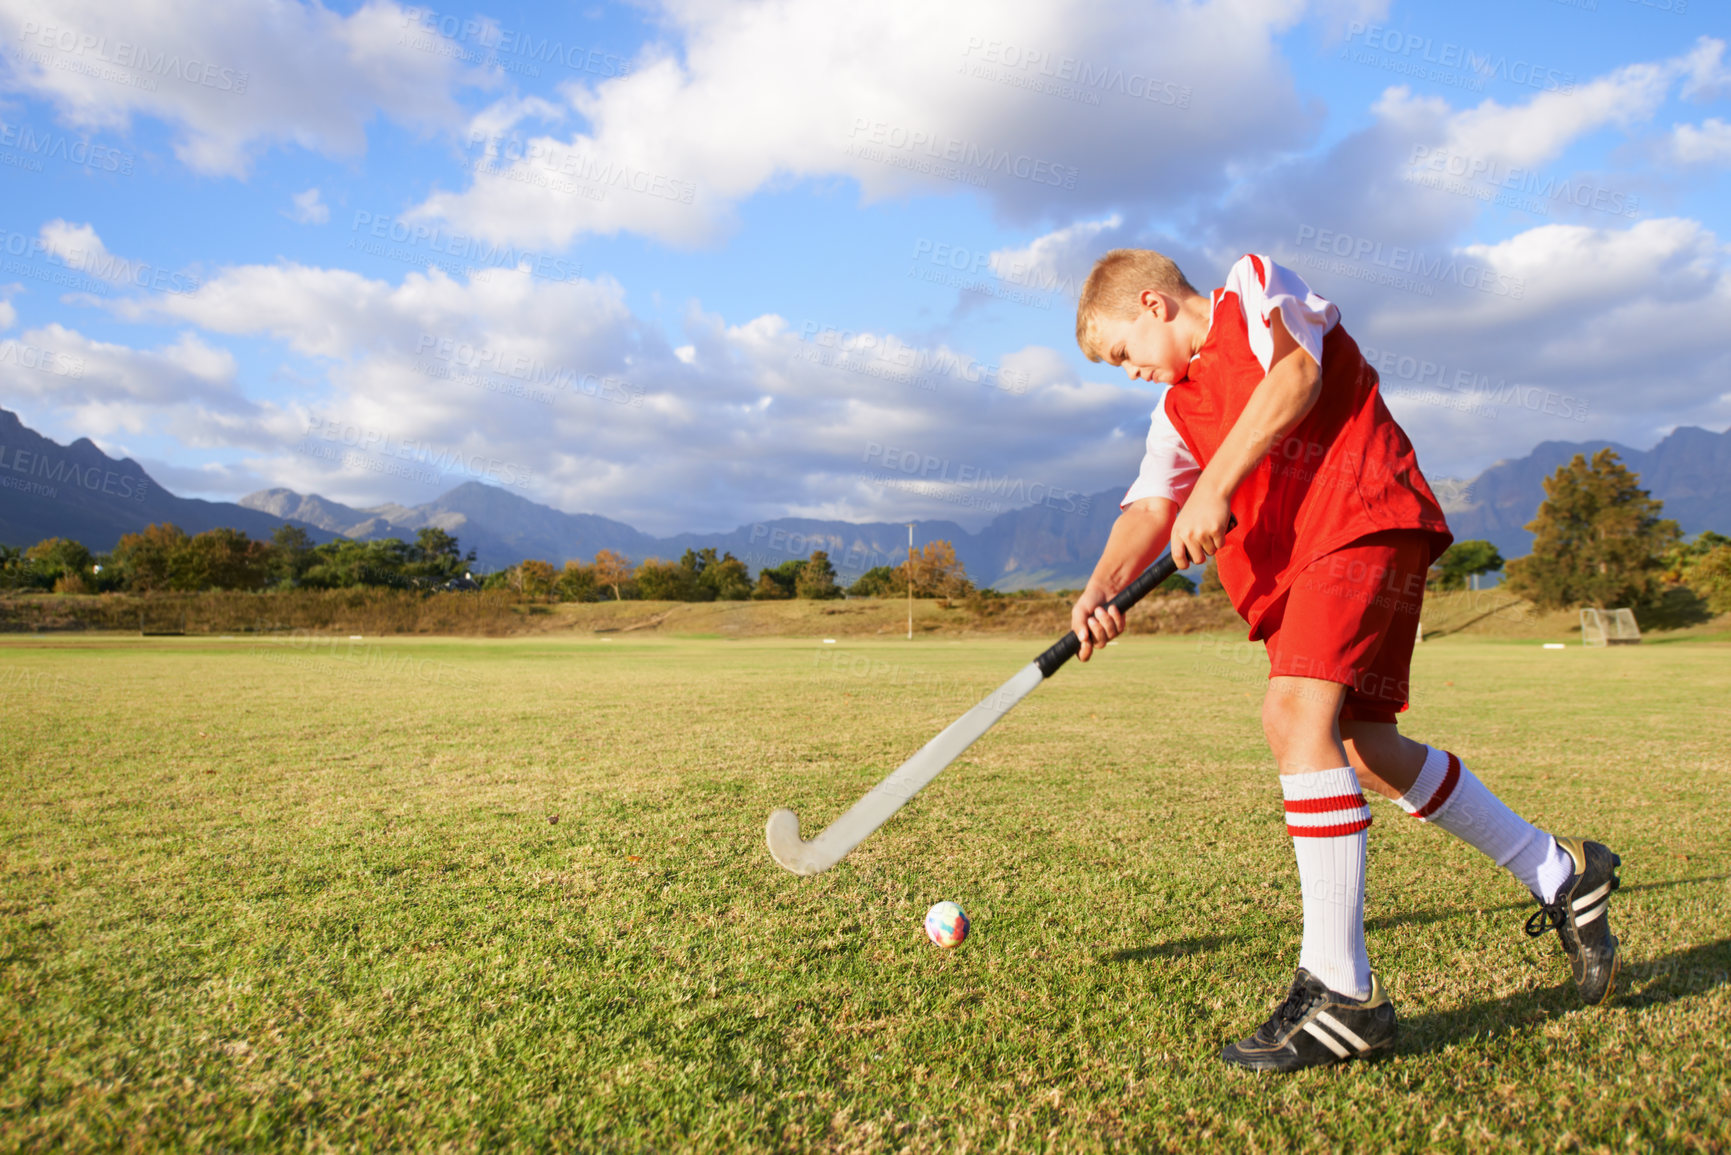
(1168, 468)
(1262, 287)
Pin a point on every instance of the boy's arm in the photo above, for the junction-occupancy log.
(1137, 538)
(1279, 403)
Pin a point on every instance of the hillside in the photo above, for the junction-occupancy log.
(76, 491)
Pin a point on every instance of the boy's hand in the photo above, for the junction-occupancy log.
(1201, 528)
(1094, 620)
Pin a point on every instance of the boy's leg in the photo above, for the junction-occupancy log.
(1572, 878)
(1436, 787)
(1336, 1009)
(1326, 817)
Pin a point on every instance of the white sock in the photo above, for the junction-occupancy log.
(1448, 795)
(1326, 816)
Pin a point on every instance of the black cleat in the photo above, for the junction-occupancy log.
(1579, 916)
(1315, 1027)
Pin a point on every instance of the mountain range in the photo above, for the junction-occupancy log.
(77, 491)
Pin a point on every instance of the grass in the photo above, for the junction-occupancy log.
(514, 894)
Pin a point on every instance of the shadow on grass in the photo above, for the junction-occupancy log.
(1650, 983)
(1207, 942)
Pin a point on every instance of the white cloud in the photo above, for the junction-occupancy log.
(102, 388)
(905, 98)
(78, 247)
(1423, 173)
(308, 208)
(1625, 324)
(232, 77)
(564, 383)
(8, 315)
(1539, 130)
(1060, 258)
(1707, 76)
(1710, 143)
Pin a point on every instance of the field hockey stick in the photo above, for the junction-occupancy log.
(890, 795)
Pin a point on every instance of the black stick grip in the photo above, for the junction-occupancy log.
(1070, 645)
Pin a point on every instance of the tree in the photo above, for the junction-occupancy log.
(344, 564)
(15, 572)
(612, 572)
(1598, 538)
(1211, 578)
(770, 588)
(727, 579)
(58, 560)
(576, 583)
(1711, 578)
(1704, 565)
(436, 558)
(534, 578)
(222, 559)
(665, 581)
(150, 559)
(937, 572)
(1176, 584)
(782, 580)
(817, 578)
(1461, 561)
(879, 582)
(291, 554)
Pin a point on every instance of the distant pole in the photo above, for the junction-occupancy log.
(910, 581)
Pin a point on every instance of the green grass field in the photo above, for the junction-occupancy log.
(514, 894)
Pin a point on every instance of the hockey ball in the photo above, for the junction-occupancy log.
(946, 924)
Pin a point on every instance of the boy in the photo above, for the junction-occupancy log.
(1272, 416)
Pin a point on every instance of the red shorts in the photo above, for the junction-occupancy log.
(1351, 617)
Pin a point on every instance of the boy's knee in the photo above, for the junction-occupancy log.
(1282, 722)
(1295, 713)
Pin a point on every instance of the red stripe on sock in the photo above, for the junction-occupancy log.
(1324, 805)
(1340, 831)
(1451, 778)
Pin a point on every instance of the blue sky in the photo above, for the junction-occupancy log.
(683, 264)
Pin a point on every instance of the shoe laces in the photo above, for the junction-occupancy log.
(1550, 916)
(1298, 1001)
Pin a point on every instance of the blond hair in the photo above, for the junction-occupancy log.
(1114, 289)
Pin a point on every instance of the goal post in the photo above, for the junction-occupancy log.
(1615, 627)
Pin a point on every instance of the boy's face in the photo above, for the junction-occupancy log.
(1148, 344)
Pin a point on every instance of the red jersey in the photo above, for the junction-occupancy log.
(1345, 472)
